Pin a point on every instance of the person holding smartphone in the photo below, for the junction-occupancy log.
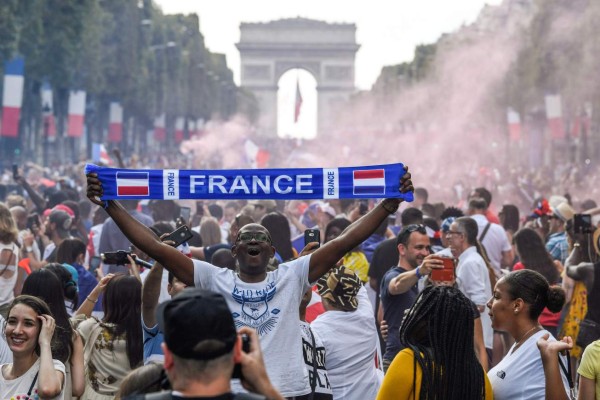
(399, 285)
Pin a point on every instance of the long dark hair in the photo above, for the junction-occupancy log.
(45, 285)
(533, 254)
(40, 307)
(439, 330)
(69, 250)
(122, 304)
(69, 286)
(279, 229)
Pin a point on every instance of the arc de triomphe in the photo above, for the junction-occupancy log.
(327, 51)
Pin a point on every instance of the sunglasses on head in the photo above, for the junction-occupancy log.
(415, 228)
(254, 236)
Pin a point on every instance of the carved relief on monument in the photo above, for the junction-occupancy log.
(257, 71)
(338, 72)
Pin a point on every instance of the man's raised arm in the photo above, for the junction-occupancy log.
(331, 252)
(141, 236)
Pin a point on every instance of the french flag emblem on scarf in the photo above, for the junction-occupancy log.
(369, 181)
(133, 183)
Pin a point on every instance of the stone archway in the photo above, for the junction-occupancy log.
(327, 51)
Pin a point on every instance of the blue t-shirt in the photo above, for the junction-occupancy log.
(86, 282)
(153, 338)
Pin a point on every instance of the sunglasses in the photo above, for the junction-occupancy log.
(246, 237)
(415, 228)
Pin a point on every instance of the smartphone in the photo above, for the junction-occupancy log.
(185, 213)
(312, 235)
(237, 369)
(582, 223)
(15, 171)
(363, 207)
(33, 219)
(199, 208)
(95, 262)
(115, 257)
(180, 235)
(446, 274)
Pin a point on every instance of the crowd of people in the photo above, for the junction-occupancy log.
(392, 300)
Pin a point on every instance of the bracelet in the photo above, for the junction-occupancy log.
(90, 300)
(419, 276)
(390, 205)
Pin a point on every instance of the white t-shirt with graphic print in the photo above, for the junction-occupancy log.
(271, 308)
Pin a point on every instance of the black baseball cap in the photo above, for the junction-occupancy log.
(197, 324)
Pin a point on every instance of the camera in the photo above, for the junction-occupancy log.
(237, 369)
(312, 235)
(582, 223)
(115, 257)
(119, 257)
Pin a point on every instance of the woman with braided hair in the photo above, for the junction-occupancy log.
(439, 361)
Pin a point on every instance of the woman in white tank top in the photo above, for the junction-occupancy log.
(9, 257)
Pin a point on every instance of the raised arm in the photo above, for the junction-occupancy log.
(151, 294)
(141, 236)
(36, 198)
(326, 256)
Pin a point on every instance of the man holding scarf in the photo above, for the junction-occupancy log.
(265, 301)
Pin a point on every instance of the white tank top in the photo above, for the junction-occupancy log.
(8, 274)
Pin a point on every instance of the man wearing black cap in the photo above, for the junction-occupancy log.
(202, 346)
(265, 301)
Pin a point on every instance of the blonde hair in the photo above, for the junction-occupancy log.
(210, 231)
(8, 228)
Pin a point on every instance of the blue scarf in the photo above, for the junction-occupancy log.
(375, 181)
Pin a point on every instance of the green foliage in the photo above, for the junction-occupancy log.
(117, 50)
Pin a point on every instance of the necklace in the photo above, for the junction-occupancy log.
(525, 336)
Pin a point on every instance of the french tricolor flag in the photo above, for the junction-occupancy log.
(554, 115)
(514, 125)
(179, 126)
(12, 97)
(159, 128)
(371, 181)
(133, 183)
(76, 113)
(115, 126)
(48, 111)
